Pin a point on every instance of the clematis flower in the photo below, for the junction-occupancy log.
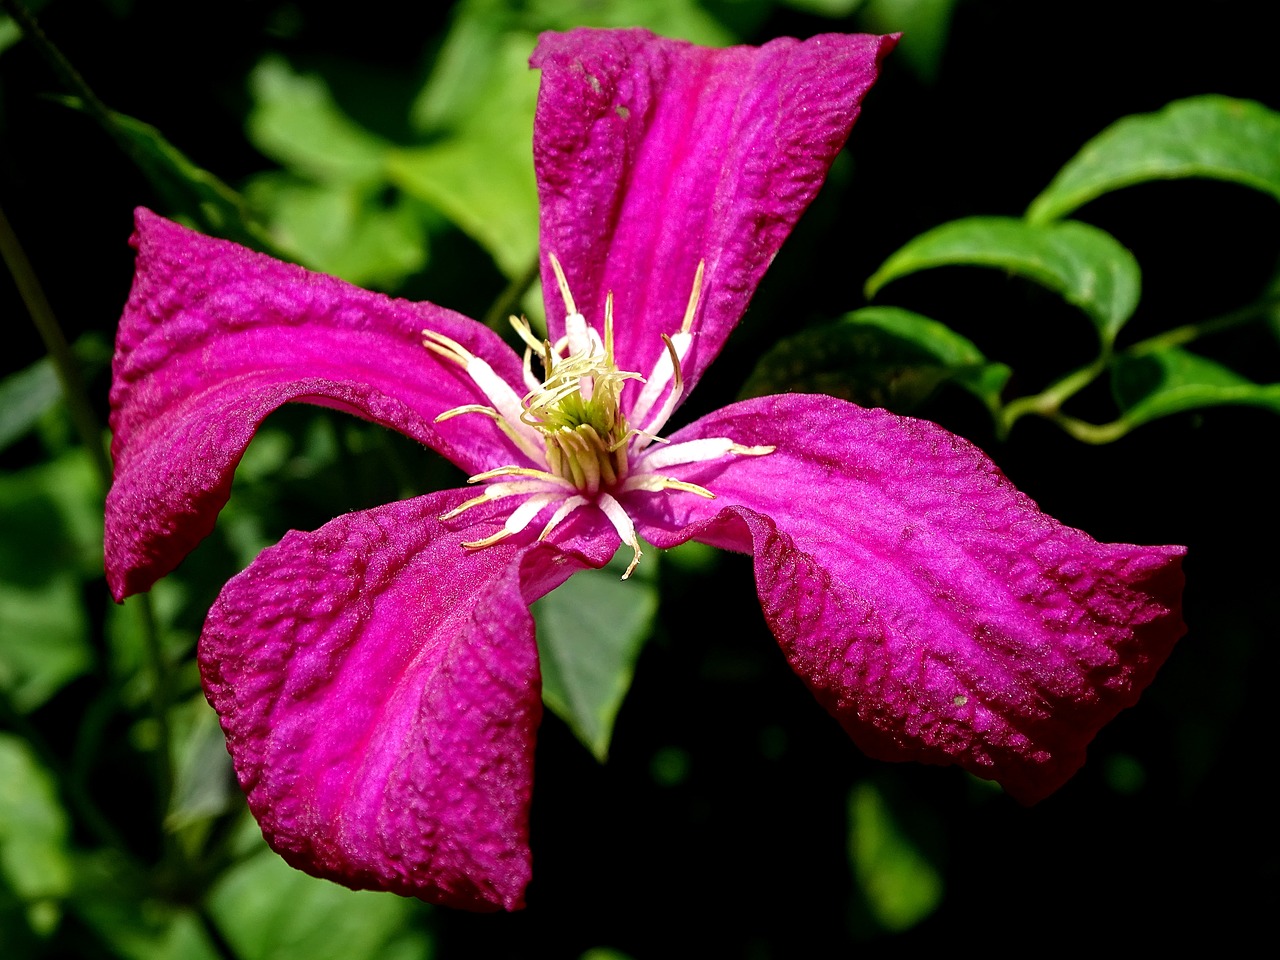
(377, 678)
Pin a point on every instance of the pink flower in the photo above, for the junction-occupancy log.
(378, 679)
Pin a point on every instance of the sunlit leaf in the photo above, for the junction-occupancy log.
(899, 884)
(25, 397)
(480, 174)
(297, 123)
(1169, 381)
(1216, 137)
(344, 229)
(878, 357)
(1085, 265)
(33, 833)
(269, 911)
(590, 631)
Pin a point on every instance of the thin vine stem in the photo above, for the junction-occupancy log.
(86, 424)
(1048, 403)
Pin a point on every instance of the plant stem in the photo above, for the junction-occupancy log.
(64, 362)
(86, 424)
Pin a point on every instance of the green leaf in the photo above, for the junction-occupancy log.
(269, 911)
(924, 25)
(1088, 267)
(296, 122)
(52, 518)
(342, 229)
(1173, 380)
(590, 631)
(29, 394)
(899, 884)
(878, 357)
(480, 175)
(25, 397)
(1216, 137)
(119, 905)
(33, 833)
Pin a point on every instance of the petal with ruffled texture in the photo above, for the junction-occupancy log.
(379, 689)
(930, 606)
(654, 154)
(214, 337)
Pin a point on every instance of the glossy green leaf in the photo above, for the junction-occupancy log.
(296, 122)
(590, 632)
(898, 883)
(269, 911)
(33, 833)
(1085, 265)
(878, 357)
(1169, 381)
(1215, 137)
(480, 175)
(343, 229)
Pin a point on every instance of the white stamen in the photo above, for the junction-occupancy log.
(696, 451)
(621, 523)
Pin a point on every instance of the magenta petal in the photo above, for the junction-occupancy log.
(214, 337)
(930, 606)
(379, 689)
(653, 154)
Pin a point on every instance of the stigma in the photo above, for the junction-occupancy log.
(572, 428)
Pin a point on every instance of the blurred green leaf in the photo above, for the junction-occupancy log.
(1085, 265)
(43, 640)
(114, 902)
(343, 229)
(1160, 383)
(590, 632)
(878, 357)
(204, 782)
(825, 8)
(682, 19)
(924, 25)
(33, 833)
(480, 174)
(52, 518)
(296, 122)
(1216, 137)
(269, 911)
(900, 886)
(25, 397)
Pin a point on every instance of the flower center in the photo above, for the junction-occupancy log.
(571, 428)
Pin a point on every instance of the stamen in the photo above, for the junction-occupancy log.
(518, 519)
(566, 508)
(569, 306)
(652, 483)
(697, 451)
(514, 471)
(695, 295)
(496, 390)
(621, 523)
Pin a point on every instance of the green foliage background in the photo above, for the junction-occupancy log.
(1055, 232)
